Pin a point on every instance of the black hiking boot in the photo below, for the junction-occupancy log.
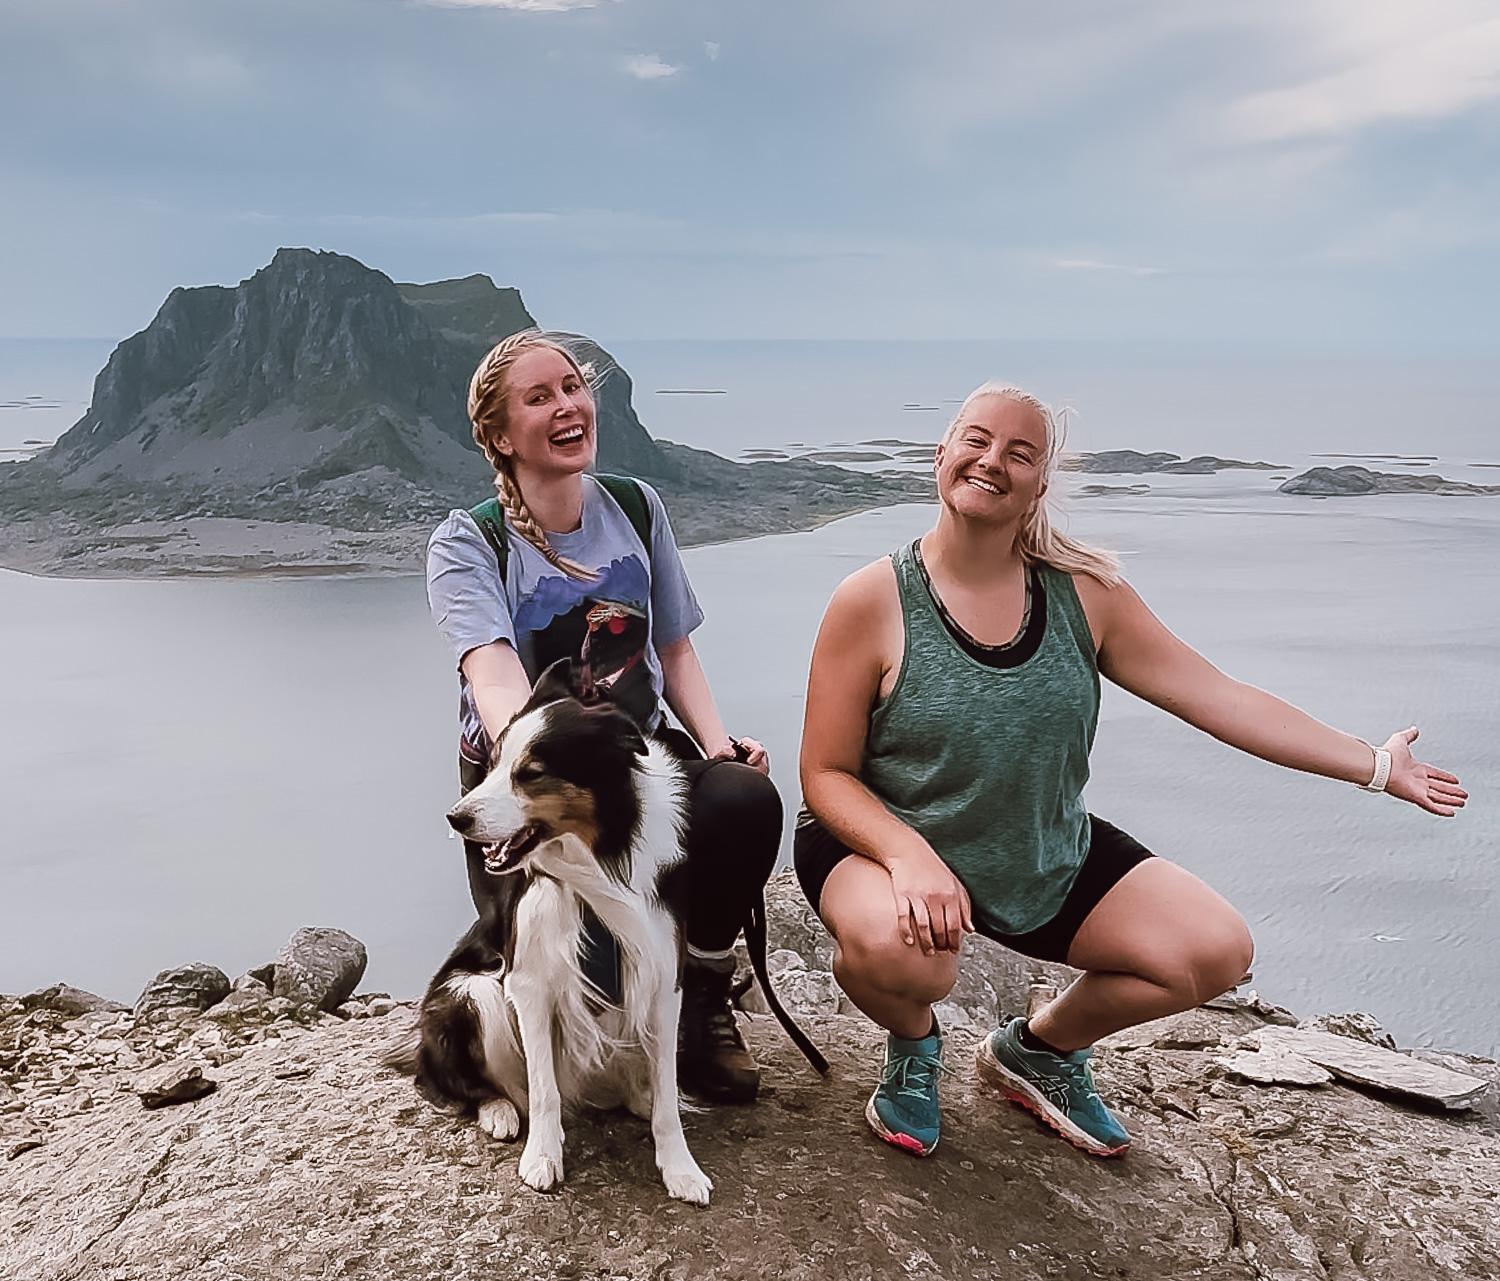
(712, 1061)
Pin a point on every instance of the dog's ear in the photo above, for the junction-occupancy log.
(557, 681)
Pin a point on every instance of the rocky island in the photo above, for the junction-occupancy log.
(311, 419)
(251, 1129)
(1131, 462)
(1351, 480)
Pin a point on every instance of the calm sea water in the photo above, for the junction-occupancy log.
(192, 769)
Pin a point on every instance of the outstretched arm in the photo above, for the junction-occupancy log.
(1139, 653)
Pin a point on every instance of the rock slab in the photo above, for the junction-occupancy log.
(64, 998)
(179, 1082)
(320, 966)
(1378, 1068)
(1273, 1066)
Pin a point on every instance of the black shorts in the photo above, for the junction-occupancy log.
(1112, 853)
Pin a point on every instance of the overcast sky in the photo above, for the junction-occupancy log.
(1249, 170)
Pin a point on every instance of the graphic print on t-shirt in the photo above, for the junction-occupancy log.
(605, 622)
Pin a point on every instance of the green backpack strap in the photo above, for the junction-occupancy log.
(491, 524)
(625, 490)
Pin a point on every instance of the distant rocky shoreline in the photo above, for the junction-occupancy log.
(1353, 481)
(250, 1128)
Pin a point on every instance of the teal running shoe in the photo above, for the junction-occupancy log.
(904, 1108)
(1059, 1088)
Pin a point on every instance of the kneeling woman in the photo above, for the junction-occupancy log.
(609, 586)
(951, 707)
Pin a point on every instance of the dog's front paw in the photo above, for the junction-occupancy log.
(687, 1182)
(499, 1119)
(541, 1167)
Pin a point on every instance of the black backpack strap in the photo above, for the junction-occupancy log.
(491, 524)
(627, 491)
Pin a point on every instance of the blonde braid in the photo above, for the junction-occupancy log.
(487, 418)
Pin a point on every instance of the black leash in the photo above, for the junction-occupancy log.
(755, 944)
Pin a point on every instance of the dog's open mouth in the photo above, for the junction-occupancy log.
(505, 856)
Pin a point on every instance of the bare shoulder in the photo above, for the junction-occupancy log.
(862, 625)
(868, 593)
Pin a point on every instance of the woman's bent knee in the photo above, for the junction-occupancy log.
(891, 966)
(1214, 963)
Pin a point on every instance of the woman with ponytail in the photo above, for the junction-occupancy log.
(950, 711)
(583, 577)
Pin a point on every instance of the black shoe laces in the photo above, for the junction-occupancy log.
(709, 1008)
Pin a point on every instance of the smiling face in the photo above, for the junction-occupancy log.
(549, 414)
(992, 464)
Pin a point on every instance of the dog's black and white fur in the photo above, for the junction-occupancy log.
(578, 808)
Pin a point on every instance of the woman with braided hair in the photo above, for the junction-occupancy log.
(574, 571)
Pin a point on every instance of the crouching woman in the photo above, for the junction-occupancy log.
(951, 708)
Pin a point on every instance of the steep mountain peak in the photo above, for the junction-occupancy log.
(314, 369)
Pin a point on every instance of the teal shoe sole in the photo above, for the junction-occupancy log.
(1021, 1092)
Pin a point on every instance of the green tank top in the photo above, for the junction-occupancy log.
(989, 763)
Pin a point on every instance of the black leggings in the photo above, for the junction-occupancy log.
(733, 838)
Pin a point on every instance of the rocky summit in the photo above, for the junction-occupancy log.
(318, 400)
(264, 1137)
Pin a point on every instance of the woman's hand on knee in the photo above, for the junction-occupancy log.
(747, 751)
(932, 905)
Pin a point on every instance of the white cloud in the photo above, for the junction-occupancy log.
(648, 66)
(711, 48)
(519, 6)
(1379, 63)
(1120, 268)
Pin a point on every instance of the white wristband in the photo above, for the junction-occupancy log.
(1382, 774)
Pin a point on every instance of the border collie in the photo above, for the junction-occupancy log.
(578, 808)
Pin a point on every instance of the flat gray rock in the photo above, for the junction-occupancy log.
(1200, 1029)
(178, 1082)
(195, 987)
(1274, 1066)
(320, 966)
(1379, 1068)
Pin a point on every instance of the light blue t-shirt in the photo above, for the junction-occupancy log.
(640, 602)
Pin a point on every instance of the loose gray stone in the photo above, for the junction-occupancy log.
(266, 974)
(66, 999)
(1378, 1068)
(1362, 1027)
(320, 966)
(178, 1082)
(245, 1003)
(195, 986)
(252, 983)
(783, 959)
